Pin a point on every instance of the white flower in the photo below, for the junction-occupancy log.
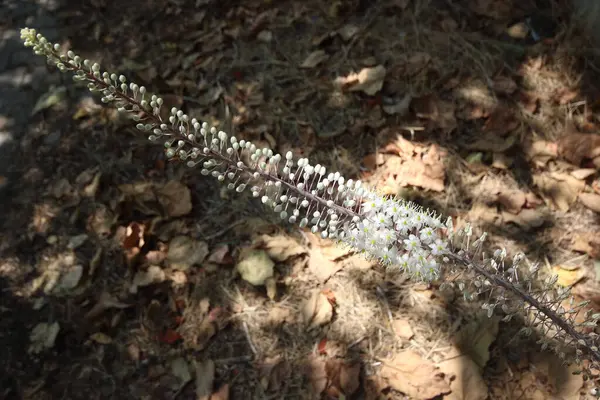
(438, 247)
(412, 243)
(427, 235)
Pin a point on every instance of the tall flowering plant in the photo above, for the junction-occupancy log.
(400, 234)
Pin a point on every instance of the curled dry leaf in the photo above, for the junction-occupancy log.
(317, 310)
(255, 266)
(280, 247)
(274, 373)
(220, 255)
(411, 374)
(315, 58)
(324, 257)
(184, 252)
(368, 80)
(512, 200)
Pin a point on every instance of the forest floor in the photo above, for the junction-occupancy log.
(121, 273)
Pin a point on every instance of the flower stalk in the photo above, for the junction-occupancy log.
(400, 234)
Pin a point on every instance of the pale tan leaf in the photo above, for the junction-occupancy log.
(105, 302)
(567, 276)
(583, 173)
(591, 201)
(368, 80)
(467, 382)
(559, 190)
(411, 374)
(403, 329)
(317, 310)
(280, 247)
(477, 336)
(181, 370)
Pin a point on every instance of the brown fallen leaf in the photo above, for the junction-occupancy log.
(591, 201)
(586, 242)
(175, 198)
(221, 394)
(426, 171)
(440, 113)
(583, 173)
(349, 378)
(368, 80)
(317, 310)
(411, 374)
(501, 121)
(577, 147)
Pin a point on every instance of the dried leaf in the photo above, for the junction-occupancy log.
(559, 190)
(170, 336)
(591, 201)
(567, 276)
(512, 200)
(221, 394)
(347, 32)
(184, 252)
(69, 279)
(274, 372)
(77, 241)
(426, 170)
(181, 370)
(317, 310)
(368, 80)
(280, 247)
(504, 85)
(49, 99)
(501, 121)
(315, 58)
(154, 274)
(583, 173)
(255, 266)
(526, 218)
(205, 376)
(400, 108)
(175, 198)
(467, 384)
(418, 378)
(43, 336)
(220, 255)
(577, 147)
(324, 257)
(317, 374)
(476, 338)
(105, 302)
(134, 236)
(403, 329)
(101, 338)
(349, 378)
